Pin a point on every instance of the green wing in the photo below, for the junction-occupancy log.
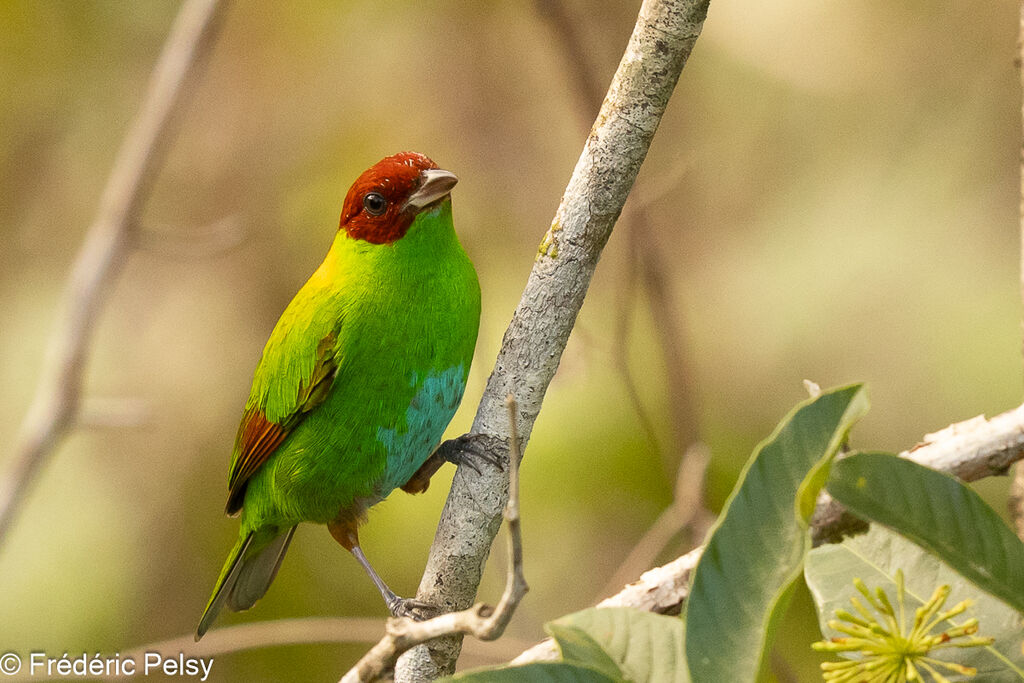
(292, 379)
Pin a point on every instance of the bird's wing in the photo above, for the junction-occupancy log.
(287, 392)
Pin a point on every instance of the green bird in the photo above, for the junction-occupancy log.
(358, 380)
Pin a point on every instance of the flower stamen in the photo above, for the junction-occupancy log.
(889, 653)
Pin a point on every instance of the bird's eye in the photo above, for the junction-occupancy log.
(375, 204)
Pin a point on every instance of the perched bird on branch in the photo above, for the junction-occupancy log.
(358, 380)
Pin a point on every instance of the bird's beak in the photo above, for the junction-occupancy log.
(435, 184)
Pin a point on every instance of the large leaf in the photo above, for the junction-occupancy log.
(758, 546)
(537, 672)
(638, 645)
(937, 512)
(874, 558)
(601, 645)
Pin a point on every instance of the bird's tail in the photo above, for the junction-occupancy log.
(247, 574)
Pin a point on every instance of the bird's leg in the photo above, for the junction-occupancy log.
(345, 532)
(466, 450)
(420, 480)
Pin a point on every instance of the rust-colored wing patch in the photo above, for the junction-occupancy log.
(257, 439)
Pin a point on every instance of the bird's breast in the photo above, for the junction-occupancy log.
(408, 445)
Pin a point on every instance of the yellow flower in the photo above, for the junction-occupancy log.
(889, 653)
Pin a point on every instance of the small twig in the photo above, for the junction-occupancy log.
(480, 620)
(969, 450)
(56, 403)
(686, 504)
(813, 388)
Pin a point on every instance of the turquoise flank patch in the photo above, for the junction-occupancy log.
(425, 419)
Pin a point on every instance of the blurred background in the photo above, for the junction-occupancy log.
(832, 195)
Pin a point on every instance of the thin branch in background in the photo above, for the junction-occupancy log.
(661, 42)
(668, 325)
(57, 401)
(481, 621)
(970, 450)
(686, 504)
(583, 79)
(307, 631)
(1016, 502)
(620, 346)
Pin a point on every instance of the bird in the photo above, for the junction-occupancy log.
(357, 382)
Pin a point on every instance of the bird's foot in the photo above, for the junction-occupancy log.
(412, 608)
(468, 450)
(471, 449)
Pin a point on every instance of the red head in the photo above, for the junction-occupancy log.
(382, 203)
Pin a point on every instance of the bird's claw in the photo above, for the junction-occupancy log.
(416, 610)
(470, 449)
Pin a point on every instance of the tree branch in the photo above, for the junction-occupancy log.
(661, 42)
(56, 403)
(661, 590)
(970, 450)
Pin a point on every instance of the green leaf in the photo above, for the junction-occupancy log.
(636, 645)
(536, 672)
(758, 546)
(937, 512)
(603, 644)
(578, 647)
(874, 558)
